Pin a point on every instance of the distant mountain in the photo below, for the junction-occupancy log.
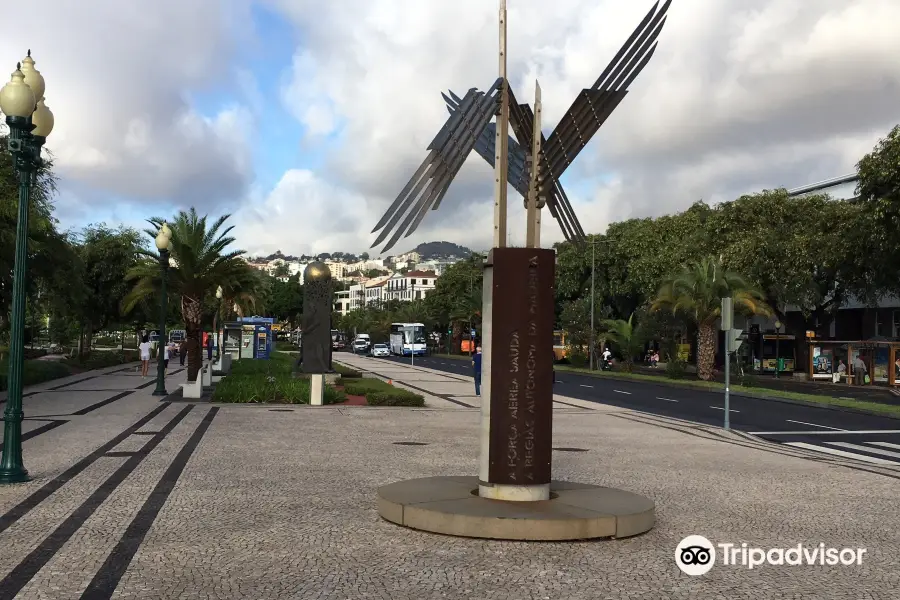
(430, 250)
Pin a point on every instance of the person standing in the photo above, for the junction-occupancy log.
(476, 368)
(144, 349)
(859, 370)
(209, 347)
(182, 351)
(165, 351)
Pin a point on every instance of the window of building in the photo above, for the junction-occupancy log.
(896, 332)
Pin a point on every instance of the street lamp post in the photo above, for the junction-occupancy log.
(163, 241)
(777, 353)
(219, 294)
(30, 122)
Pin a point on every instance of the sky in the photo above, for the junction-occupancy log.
(304, 119)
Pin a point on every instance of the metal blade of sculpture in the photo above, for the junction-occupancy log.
(469, 127)
(449, 150)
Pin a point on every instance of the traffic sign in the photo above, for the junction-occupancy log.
(472, 333)
(733, 339)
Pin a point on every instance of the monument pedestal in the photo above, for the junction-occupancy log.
(513, 496)
(316, 389)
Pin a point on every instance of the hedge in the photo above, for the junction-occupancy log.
(35, 371)
(261, 388)
(381, 393)
(99, 359)
(347, 372)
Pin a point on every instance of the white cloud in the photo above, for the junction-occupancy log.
(739, 96)
(119, 76)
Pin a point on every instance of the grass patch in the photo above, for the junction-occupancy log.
(268, 381)
(747, 390)
(259, 388)
(381, 393)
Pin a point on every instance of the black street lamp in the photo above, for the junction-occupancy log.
(219, 294)
(777, 349)
(30, 122)
(163, 241)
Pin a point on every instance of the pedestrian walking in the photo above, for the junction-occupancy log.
(165, 351)
(476, 368)
(209, 347)
(144, 349)
(182, 351)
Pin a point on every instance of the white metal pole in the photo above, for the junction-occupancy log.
(501, 142)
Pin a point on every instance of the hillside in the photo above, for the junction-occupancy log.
(429, 250)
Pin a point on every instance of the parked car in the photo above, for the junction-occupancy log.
(380, 350)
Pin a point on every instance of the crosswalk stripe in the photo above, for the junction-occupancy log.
(885, 444)
(841, 453)
(865, 449)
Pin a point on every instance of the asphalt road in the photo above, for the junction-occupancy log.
(868, 438)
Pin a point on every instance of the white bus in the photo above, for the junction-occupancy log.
(408, 338)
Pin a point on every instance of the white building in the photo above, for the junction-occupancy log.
(414, 285)
(366, 293)
(342, 302)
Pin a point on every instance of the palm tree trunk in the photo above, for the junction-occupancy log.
(706, 352)
(191, 311)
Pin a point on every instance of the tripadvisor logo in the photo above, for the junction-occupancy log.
(696, 555)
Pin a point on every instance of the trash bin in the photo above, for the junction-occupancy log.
(780, 365)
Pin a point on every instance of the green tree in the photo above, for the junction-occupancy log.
(875, 238)
(792, 249)
(626, 338)
(202, 261)
(44, 242)
(281, 270)
(697, 291)
(107, 255)
(455, 300)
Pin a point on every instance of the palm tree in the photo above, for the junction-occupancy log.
(201, 262)
(697, 292)
(626, 337)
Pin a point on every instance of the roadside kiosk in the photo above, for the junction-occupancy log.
(255, 337)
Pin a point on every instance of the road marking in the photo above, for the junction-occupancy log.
(666, 399)
(865, 449)
(723, 408)
(841, 453)
(587, 386)
(885, 444)
(814, 425)
(867, 431)
(621, 392)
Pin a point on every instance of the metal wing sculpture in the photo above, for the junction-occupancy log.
(469, 127)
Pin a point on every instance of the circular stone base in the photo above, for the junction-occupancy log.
(576, 511)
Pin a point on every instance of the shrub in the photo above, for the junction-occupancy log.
(397, 397)
(748, 380)
(35, 371)
(577, 358)
(676, 369)
(32, 353)
(347, 372)
(99, 359)
(381, 393)
(260, 388)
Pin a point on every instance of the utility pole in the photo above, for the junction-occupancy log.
(593, 268)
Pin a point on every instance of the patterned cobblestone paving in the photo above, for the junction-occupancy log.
(141, 499)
